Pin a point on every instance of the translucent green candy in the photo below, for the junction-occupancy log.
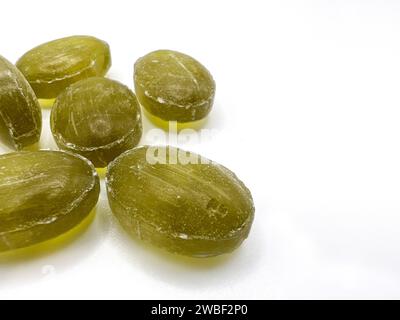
(43, 194)
(173, 86)
(20, 114)
(179, 201)
(98, 118)
(53, 66)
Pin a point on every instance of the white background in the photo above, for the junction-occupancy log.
(307, 113)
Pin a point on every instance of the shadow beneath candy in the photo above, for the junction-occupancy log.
(52, 257)
(166, 125)
(160, 132)
(48, 247)
(180, 260)
(183, 271)
(46, 103)
(102, 172)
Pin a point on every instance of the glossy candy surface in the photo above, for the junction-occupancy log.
(43, 194)
(53, 66)
(199, 209)
(98, 118)
(20, 114)
(173, 86)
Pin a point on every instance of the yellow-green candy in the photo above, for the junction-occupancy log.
(98, 118)
(174, 86)
(20, 114)
(53, 66)
(179, 201)
(43, 194)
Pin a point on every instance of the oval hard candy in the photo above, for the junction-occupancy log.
(173, 86)
(98, 118)
(179, 201)
(53, 66)
(20, 114)
(43, 194)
